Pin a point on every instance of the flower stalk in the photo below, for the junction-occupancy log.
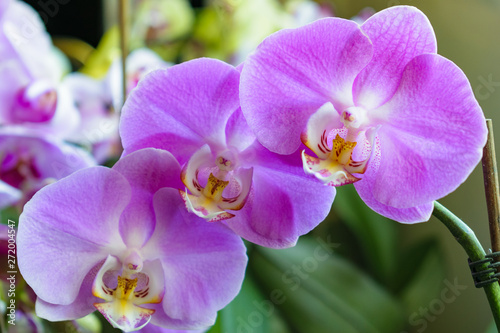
(123, 19)
(490, 173)
(468, 240)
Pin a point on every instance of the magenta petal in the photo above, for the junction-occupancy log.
(80, 307)
(187, 104)
(284, 203)
(419, 213)
(67, 228)
(50, 158)
(398, 35)
(160, 319)
(238, 133)
(294, 72)
(23, 29)
(433, 134)
(147, 171)
(8, 195)
(204, 263)
(151, 328)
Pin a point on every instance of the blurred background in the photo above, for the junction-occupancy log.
(356, 272)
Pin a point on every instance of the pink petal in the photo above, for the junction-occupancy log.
(80, 307)
(147, 171)
(433, 134)
(204, 264)
(398, 35)
(67, 228)
(294, 72)
(238, 133)
(415, 214)
(185, 105)
(284, 203)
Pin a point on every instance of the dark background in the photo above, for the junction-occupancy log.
(80, 19)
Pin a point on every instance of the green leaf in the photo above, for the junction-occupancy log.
(422, 274)
(248, 312)
(318, 291)
(492, 328)
(377, 235)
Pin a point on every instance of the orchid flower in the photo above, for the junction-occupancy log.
(375, 104)
(192, 110)
(27, 163)
(139, 63)
(98, 128)
(31, 68)
(120, 241)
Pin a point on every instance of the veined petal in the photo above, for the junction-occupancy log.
(398, 35)
(147, 171)
(190, 102)
(238, 133)
(432, 136)
(415, 214)
(294, 72)
(204, 264)
(68, 227)
(161, 319)
(80, 307)
(284, 203)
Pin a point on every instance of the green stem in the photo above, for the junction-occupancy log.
(468, 240)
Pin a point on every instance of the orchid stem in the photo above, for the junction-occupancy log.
(468, 240)
(122, 19)
(490, 174)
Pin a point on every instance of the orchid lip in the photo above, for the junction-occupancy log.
(209, 201)
(334, 164)
(35, 103)
(122, 306)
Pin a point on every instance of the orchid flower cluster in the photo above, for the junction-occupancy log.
(49, 119)
(213, 154)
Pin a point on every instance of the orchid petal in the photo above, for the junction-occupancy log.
(415, 214)
(188, 104)
(243, 177)
(8, 195)
(56, 236)
(209, 211)
(80, 307)
(189, 174)
(147, 171)
(398, 35)
(238, 133)
(150, 328)
(294, 72)
(284, 202)
(26, 33)
(203, 263)
(432, 136)
(318, 128)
